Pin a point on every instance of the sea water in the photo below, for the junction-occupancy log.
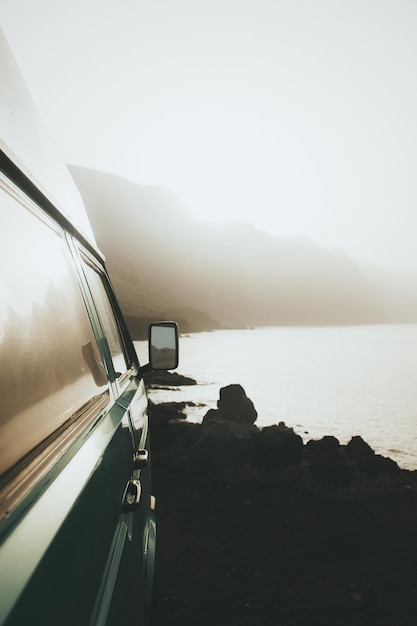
(340, 381)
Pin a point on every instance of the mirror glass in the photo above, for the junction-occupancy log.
(163, 346)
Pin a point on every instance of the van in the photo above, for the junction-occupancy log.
(77, 519)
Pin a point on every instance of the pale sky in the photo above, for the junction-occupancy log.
(299, 116)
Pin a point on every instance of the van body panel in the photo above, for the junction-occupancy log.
(46, 517)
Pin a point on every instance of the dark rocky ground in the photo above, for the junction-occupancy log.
(325, 536)
(246, 554)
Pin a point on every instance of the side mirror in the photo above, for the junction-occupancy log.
(163, 346)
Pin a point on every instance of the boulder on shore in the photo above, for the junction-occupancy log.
(229, 441)
(365, 458)
(327, 461)
(278, 446)
(163, 378)
(234, 405)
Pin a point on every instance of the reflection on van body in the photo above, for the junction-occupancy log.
(44, 376)
(77, 522)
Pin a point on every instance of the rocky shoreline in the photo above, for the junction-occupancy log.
(255, 527)
(229, 442)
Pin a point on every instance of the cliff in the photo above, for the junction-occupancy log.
(166, 264)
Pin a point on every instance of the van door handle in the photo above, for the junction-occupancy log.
(132, 496)
(141, 459)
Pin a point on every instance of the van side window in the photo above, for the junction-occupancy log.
(106, 314)
(50, 366)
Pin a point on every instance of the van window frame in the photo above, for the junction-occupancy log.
(132, 366)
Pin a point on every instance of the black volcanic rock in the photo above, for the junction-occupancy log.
(224, 445)
(366, 459)
(235, 405)
(278, 446)
(362, 453)
(328, 461)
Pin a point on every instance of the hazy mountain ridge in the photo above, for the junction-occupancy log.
(167, 264)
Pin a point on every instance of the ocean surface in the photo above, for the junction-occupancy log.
(341, 381)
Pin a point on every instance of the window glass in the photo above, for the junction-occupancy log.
(50, 365)
(108, 320)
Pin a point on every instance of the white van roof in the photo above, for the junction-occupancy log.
(25, 141)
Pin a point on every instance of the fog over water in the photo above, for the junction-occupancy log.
(296, 116)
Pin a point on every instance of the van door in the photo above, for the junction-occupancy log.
(129, 554)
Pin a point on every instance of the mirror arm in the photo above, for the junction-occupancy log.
(145, 368)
